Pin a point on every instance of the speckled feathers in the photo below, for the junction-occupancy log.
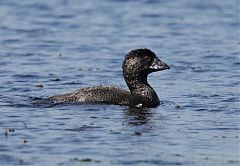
(137, 65)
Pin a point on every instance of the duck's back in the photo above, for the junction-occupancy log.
(97, 94)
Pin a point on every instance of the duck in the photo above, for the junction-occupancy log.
(136, 67)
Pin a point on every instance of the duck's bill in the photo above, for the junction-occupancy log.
(158, 65)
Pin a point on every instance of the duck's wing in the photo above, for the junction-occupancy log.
(97, 94)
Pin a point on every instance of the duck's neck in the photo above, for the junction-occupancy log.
(139, 87)
(138, 82)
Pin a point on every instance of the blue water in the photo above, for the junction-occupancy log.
(57, 46)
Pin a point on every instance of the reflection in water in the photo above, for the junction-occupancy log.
(138, 116)
(41, 42)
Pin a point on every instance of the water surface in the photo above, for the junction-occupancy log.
(58, 46)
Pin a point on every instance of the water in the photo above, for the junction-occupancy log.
(58, 46)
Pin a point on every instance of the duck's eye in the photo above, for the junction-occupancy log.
(147, 61)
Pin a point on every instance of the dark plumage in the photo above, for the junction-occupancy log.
(136, 67)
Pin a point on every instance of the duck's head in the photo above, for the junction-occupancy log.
(142, 61)
(139, 63)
